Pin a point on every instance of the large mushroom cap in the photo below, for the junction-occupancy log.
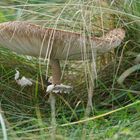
(30, 39)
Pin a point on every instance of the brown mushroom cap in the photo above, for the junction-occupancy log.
(30, 39)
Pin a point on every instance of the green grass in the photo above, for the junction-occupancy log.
(27, 110)
(116, 108)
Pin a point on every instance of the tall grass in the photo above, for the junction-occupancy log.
(115, 106)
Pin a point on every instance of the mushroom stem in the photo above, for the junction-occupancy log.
(56, 79)
(56, 72)
(53, 119)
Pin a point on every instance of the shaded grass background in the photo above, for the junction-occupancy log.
(27, 111)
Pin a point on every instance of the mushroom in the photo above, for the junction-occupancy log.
(30, 39)
(48, 43)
